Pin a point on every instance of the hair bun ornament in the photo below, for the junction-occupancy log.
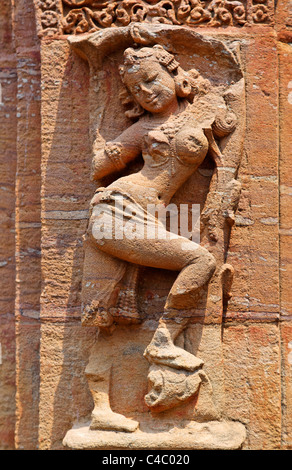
(165, 58)
(132, 56)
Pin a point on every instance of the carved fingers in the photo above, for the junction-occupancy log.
(141, 34)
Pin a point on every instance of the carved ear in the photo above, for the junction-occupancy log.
(183, 85)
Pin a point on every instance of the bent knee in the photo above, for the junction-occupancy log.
(207, 260)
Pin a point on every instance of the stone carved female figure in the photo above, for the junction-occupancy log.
(178, 119)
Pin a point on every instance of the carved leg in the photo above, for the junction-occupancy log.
(196, 266)
(182, 297)
(102, 416)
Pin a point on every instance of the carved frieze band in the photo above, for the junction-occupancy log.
(84, 16)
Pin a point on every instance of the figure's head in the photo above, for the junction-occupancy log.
(155, 79)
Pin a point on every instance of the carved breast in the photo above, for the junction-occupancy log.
(191, 146)
(187, 145)
(157, 146)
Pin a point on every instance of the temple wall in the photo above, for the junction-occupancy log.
(44, 196)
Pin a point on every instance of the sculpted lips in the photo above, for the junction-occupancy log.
(152, 98)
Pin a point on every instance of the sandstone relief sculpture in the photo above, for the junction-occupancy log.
(176, 118)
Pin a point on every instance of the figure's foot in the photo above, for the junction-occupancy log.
(161, 350)
(110, 421)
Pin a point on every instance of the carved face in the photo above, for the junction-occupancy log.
(151, 85)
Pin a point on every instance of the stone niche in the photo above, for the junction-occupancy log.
(170, 342)
(176, 387)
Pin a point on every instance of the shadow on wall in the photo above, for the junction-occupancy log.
(66, 192)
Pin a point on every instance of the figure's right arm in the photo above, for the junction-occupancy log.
(116, 154)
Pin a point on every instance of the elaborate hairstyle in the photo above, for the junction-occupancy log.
(187, 84)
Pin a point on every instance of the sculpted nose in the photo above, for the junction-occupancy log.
(144, 88)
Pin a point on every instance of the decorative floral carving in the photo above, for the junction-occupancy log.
(260, 13)
(82, 16)
(49, 19)
(48, 4)
(50, 13)
(239, 14)
(91, 16)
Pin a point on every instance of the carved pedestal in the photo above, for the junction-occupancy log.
(184, 411)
